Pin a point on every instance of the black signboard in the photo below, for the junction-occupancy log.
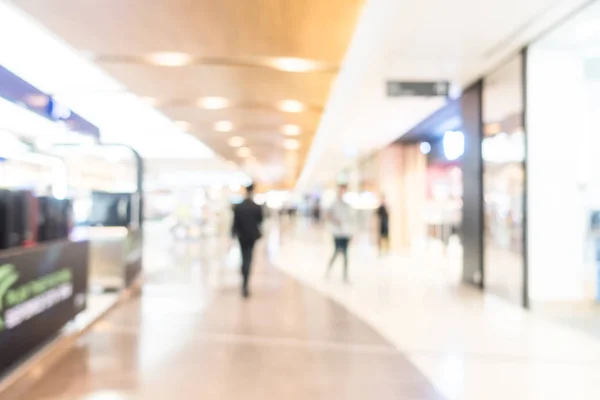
(41, 289)
(417, 89)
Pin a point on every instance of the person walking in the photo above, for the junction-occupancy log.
(247, 220)
(341, 218)
(384, 228)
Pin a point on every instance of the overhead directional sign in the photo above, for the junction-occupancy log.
(417, 89)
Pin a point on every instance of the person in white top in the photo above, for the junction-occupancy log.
(341, 219)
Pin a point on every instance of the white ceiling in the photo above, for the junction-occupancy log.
(47, 62)
(178, 173)
(582, 32)
(457, 40)
(270, 63)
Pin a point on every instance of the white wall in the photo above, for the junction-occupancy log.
(557, 126)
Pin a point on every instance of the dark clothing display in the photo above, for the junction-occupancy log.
(247, 220)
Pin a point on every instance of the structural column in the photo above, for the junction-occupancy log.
(402, 179)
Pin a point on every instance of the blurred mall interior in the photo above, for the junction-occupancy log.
(130, 130)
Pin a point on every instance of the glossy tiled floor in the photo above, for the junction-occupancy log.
(470, 346)
(190, 336)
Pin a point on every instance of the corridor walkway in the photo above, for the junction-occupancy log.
(470, 346)
(190, 336)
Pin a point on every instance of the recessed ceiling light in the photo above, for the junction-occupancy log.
(223, 126)
(291, 130)
(183, 125)
(292, 106)
(213, 103)
(291, 144)
(292, 64)
(236, 141)
(170, 59)
(244, 152)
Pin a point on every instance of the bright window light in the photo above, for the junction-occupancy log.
(24, 123)
(10, 144)
(121, 116)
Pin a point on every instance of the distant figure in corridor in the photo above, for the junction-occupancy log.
(341, 218)
(383, 217)
(247, 220)
(316, 211)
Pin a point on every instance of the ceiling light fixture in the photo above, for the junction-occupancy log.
(291, 106)
(223, 126)
(213, 103)
(170, 59)
(236, 141)
(425, 148)
(291, 144)
(244, 152)
(183, 125)
(293, 64)
(291, 130)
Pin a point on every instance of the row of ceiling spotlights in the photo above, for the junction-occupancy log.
(220, 103)
(288, 64)
(228, 126)
(239, 142)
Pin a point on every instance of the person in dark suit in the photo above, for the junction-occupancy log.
(247, 220)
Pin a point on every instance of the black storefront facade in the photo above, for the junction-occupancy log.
(45, 261)
(460, 118)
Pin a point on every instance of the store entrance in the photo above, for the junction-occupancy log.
(444, 203)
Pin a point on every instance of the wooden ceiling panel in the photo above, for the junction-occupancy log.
(235, 83)
(300, 28)
(249, 119)
(120, 33)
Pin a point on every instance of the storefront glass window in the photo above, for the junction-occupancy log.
(563, 116)
(503, 154)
